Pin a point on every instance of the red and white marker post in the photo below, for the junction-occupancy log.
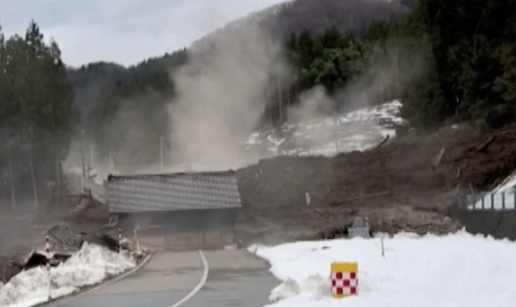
(47, 263)
(119, 240)
(136, 238)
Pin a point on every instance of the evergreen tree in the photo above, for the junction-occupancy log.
(36, 115)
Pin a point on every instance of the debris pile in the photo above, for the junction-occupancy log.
(405, 184)
(64, 244)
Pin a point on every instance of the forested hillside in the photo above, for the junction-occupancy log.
(36, 117)
(128, 88)
(101, 88)
(447, 63)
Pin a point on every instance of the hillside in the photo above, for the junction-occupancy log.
(327, 136)
(404, 184)
(400, 186)
(99, 87)
(310, 103)
(315, 16)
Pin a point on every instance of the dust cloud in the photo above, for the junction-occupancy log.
(391, 70)
(220, 98)
(314, 104)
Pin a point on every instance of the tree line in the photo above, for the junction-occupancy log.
(445, 62)
(36, 119)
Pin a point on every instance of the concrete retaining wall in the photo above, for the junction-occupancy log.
(199, 240)
(496, 223)
(507, 226)
(183, 230)
(215, 239)
(184, 221)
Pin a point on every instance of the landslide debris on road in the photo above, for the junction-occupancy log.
(405, 185)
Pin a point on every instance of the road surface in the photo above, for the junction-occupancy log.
(187, 279)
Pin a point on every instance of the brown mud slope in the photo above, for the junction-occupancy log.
(405, 185)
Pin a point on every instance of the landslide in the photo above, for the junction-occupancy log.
(407, 184)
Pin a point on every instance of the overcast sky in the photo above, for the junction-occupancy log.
(122, 31)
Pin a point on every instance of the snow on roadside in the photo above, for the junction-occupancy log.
(91, 265)
(454, 270)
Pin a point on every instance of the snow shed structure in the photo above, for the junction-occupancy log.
(179, 210)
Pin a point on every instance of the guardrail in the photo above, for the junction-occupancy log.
(492, 213)
(505, 200)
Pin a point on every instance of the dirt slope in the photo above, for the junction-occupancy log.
(403, 185)
(406, 184)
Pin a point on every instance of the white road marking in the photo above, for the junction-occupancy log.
(199, 285)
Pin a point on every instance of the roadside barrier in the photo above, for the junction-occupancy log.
(344, 281)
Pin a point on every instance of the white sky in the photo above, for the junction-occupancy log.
(122, 31)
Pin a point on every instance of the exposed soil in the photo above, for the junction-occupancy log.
(405, 185)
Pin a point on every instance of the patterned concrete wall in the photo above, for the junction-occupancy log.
(183, 230)
(173, 192)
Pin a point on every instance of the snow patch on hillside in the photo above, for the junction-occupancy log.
(357, 130)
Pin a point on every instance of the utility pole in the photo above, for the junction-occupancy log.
(280, 100)
(91, 156)
(11, 176)
(110, 161)
(83, 162)
(267, 105)
(33, 175)
(10, 169)
(161, 150)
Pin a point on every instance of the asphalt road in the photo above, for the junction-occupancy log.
(187, 279)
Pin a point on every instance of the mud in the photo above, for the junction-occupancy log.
(405, 185)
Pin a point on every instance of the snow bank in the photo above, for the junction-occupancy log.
(455, 270)
(91, 265)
